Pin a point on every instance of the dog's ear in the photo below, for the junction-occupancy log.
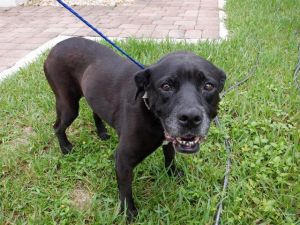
(222, 80)
(141, 79)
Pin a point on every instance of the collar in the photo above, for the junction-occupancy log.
(165, 142)
(145, 99)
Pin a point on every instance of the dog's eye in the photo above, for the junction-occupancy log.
(166, 87)
(208, 87)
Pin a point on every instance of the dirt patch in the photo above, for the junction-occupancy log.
(28, 130)
(81, 198)
(23, 139)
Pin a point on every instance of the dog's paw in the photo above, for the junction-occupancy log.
(103, 136)
(66, 149)
(175, 172)
(131, 214)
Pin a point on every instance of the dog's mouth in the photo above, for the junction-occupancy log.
(185, 144)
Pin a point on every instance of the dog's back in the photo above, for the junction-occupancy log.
(67, 61)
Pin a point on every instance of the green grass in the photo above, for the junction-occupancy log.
(40, 186)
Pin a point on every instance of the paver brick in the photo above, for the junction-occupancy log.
(189, 18)
(166, 22)
(176, 33)
(2, 52)
(186, 23)
(148, 27)
(174, 8)
(191, 12)
(8, 46)
(130, 26)
(208, 13)
(7, 61)
(26, 35)
(194, 34)
(5, 40)
(170, 13)
(26, 46)
(160, 33)
(47, 35)
(129, 32)
(186, 27)
(208, 26)
(24, 30)
(210, 34)
(16, 53)
(83, 31)
(172, 18)
(74, 25)
(70, 31)
(209, 4)
(114, 24)
(37, 40)
(144, 33)
(190, 5)
(53, 30)
(113, 32)
(166, 27)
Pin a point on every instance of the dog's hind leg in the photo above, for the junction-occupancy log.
(101, 130)
(67, 110)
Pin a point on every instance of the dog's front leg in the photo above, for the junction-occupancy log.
(169, 153)
(124, 171)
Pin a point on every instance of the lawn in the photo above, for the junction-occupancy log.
(40, 186)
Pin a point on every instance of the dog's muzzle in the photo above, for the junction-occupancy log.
(187, 143)
(186, 129)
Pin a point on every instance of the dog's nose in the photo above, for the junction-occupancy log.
(190, 117)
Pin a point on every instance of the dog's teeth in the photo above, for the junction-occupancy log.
(190, 143)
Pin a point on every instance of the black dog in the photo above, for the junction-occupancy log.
(173, 100)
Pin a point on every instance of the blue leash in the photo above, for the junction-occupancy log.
(100, 33)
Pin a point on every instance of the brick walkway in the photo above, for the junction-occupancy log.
(23, 29)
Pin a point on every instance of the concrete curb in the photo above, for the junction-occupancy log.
(223, 32)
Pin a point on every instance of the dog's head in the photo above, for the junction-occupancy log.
(183, 92)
